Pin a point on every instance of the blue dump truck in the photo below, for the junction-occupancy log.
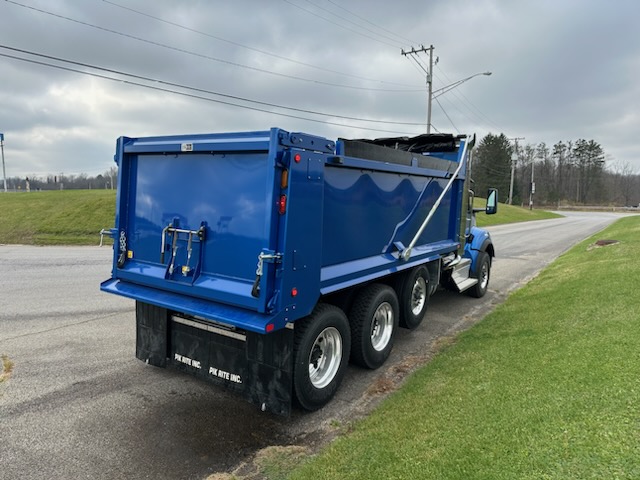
(265, 261)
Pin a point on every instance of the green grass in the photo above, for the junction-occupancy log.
(276, 462)
(68, 217)
(545, 387)
(510, 214)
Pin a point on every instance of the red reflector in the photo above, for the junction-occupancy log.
(270, 327)
(297, 158)
(282, 204)
(294, 292)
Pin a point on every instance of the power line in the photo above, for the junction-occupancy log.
(474, 119)
(423, 65)
(190, 95)
(349, 21)
(460, 111)
(263, 52)
(447, 115)
(371, 23)
(418, 68)
(482, 116)
(311, 12)
(455, 106)
(497, 170)
(215, 59)
(419, 64)
(201, 90)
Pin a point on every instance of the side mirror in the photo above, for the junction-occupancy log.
(492, 201)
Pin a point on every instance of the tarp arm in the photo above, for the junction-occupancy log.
(405, 254)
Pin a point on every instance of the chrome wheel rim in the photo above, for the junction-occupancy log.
(325, 357)
(418, 295)
(382, 326)
(484, 276)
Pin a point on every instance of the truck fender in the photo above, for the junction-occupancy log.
(480, 242)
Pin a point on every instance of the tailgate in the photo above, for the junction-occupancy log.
(194, 213)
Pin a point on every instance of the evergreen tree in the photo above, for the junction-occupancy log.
(589, 162)
(492, 166)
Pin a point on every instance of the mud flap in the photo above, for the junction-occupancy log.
(151, 334)
(257, 367)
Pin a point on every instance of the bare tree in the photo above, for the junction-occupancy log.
(625, 183)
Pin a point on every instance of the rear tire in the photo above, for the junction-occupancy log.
(413, 290)
(321, 355)
(374, 321)
(482, 273)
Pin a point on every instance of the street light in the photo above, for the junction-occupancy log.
(441, 91)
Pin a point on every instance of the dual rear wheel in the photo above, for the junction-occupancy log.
(321, 355)
(326, 340)
(414, 291)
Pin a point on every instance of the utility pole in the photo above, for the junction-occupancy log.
(4, 173)
(414, 53)
(514, 158)
(430, 88)
(532, 187)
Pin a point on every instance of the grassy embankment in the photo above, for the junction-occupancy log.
(68, 217)
(545, 387)
(75, 217)
(510, 214)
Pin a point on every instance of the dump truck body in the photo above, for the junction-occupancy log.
(228, 241)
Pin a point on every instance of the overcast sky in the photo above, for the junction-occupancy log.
(561, 70)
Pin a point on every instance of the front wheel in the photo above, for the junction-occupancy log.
(482, 273)
(322, 345)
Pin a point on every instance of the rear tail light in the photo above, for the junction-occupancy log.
(282, 204)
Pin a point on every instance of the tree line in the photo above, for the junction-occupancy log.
(568, 173)
(82, 181)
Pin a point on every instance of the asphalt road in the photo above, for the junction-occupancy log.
(79, 405)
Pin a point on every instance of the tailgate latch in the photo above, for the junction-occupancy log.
(191, 235)
(267, 257)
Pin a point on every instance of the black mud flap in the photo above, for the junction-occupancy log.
(257, 367)
(151, 334)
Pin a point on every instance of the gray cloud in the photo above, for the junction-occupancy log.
(561, 71)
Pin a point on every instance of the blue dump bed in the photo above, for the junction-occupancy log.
(197, 214)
